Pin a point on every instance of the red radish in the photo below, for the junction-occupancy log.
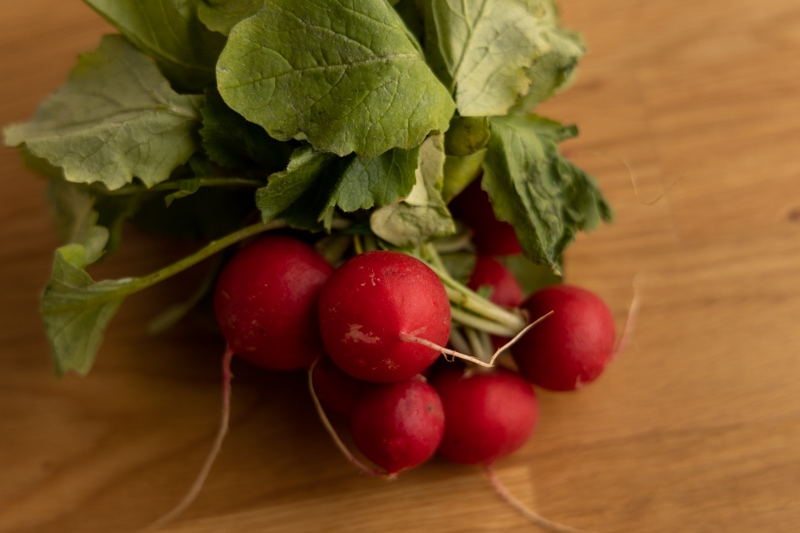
(490, 236)
(505, 289)
(374, 301)
(266, 302)
(398, 425)
(488, 414)
(489, 272)
(337, 390)
(570, 348)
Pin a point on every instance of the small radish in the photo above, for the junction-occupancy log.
(337, 390)
(570, 348)
(266, 302)
(490, 236)
(505, 289)
(488, 414)
(398, 425)
(375, 312)
(489, 272)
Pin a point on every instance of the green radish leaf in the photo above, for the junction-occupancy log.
(459, 171)
(170, 32)
(231, 141)
(307, 194)
(555, 70)
(116, 118)
(297, 194)
(73, 210)
(347, 76)
(75, 308)
(467, 135)
(545, 197)
(480, 49)
(222, 15)
(465, 146)
(365, 183)
(422, 215)
(185, 187)
(78, 208)
(531, 276)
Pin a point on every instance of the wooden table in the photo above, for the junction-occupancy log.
(690, 119)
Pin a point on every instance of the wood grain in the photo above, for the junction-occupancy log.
(690, 117)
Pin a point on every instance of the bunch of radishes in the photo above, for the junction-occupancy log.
(373, 328)
(410, 357)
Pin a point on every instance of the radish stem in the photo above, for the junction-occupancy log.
(471, 301)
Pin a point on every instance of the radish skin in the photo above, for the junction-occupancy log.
(398, 425)
(265, 302)
(372, 301)
(489, 414)
(571, 348)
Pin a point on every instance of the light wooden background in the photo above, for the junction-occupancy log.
(690, 119)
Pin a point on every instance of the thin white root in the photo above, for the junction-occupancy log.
(405, 337)
(633, 311)
(517, 337)
(335, 436)
(632, 177)
(532, 516)
(200, 480)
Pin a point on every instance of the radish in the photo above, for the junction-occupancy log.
(266, 302)
(489, 272)
(376, 312)
(337, 390)
(490, 236)
(398, 425)
(488, 414)
(505, 290)
(572, 347)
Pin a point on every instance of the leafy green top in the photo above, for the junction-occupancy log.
(116, 118)
(345, 75)
(315, 114)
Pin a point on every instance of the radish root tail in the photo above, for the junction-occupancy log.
(200, 480)
(335, 436)
(633, 311)
(632, 177)
(405, 337)
(532, 516)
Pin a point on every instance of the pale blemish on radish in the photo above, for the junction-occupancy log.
(355, 334)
